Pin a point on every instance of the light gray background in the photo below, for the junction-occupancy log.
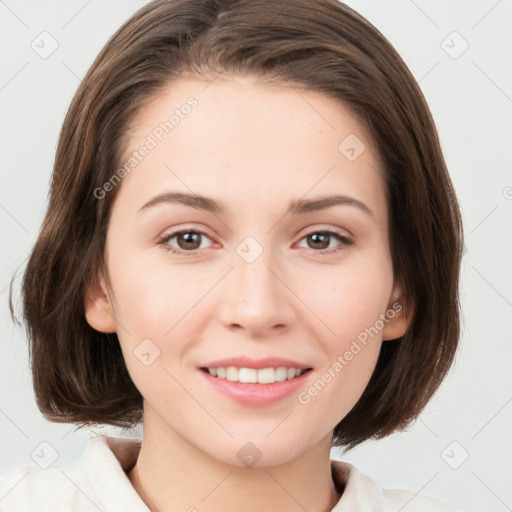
(470, 96)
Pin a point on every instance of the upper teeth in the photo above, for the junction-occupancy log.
(261, 376)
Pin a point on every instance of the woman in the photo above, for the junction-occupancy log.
(253, 247)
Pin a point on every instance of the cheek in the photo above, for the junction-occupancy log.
(349, 306)
(348, 298)
(350, 337)
(152, 296)
(160, 312)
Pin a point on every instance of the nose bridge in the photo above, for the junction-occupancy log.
(254, 279)
(256, 299)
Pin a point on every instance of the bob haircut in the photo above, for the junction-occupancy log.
(324, 46)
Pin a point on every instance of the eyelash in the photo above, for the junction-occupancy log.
(345, 242)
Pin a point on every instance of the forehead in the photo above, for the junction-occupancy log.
(226, 137)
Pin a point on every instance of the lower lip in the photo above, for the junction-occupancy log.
(256, 394)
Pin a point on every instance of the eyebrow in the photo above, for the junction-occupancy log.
(297, 207)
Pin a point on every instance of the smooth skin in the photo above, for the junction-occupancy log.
(254, 148)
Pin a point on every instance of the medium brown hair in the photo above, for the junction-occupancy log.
(319, 45)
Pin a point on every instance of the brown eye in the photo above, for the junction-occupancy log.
(320, 241)
(187, 241)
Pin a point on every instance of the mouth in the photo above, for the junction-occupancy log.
(263, 376)
(256, 387)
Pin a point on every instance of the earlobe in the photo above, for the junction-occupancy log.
(99, 312)
(398, 316)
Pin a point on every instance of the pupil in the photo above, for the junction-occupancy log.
(189, 239)
(316, 236)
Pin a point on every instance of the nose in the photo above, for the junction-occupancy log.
(256, 296)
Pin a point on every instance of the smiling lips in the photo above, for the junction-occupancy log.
(255, 382)
(256, 394)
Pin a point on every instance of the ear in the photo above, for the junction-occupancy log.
(99, 312)
(399, 314)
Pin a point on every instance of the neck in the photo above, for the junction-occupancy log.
(172, 474)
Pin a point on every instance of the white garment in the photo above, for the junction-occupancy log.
(99, 482)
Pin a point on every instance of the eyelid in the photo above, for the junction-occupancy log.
(185, 229)
(316, 228)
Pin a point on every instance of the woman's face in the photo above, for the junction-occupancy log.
(254, 277)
